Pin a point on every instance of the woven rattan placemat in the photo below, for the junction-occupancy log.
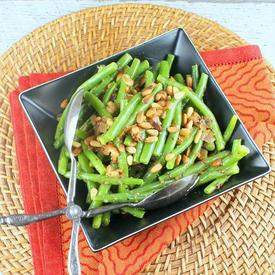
(219, 241)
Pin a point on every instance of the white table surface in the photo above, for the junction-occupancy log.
(253, 21)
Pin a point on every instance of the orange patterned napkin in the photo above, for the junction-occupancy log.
(243, 76)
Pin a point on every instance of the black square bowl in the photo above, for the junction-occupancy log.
(41, 105)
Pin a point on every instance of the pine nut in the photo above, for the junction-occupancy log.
(64, 103)
(178, 159)
(169, 90)
(76, 144)
(184, 132)
(140, 117)
(146, 92)
(173, 129)
(151, 112)
(189, 81)
(216, 163)
(131, 150)
(185, 159)
(188, 151)
(152, 132)
(145, 125)
(121, 148)
(184, 119)
(147, 99)
(95, 143)
(130, 160)
(190, 124)
(189, 111)
(170, 156)
(151, 139)
(156, 168)
(198, 136)
(127, 79)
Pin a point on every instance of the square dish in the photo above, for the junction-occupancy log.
(42, 105)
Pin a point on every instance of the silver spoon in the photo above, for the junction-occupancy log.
(168, 195)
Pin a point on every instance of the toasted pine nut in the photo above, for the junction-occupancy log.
(77, 151)
(216, 163)
(130, 160)
(135, 130)
(127, 79)
(159, 112)
(93, 119)
(185, 159)
(131, 149)
(140, 117)
(198, 136)
(173, 129)
(145, 125)
(95, 143)
(156, 105)
(203, 154)
(184, 132)
(189, 111)
(156, 168)
(151, 112)
(184, 119)
(169, 90)
(146, 91)
(189, 125)
(152, 132)
(178, 159)
(147, 99)
(119, 75)
(189, 81)
(76, 144)
(64, 103)
(180, 140)
(170, 156)
(151, 139)
(121, 148)
(188, 151)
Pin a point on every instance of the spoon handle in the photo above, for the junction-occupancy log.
(106, 208)
(23, 219)
(73, 258)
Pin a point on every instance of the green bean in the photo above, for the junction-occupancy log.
(202, 108)
(200, 166)
(143, 66)
(179, 78)
(195, 76)
(102, 191)
(164, 69)
(230, 128)
(122, 163)
(121, 121)
(109, 92)
(149, 78)
(97, 104)
(103, 84)
(124, 60)
(106, 218)
(217, 173)
(121, 94)
(150, 187)
(63, 162)
(121, 197)
(136, 212)
(201, 87)
(59, 141)
(94, 159)
(165, 124)
(147, 152)
(111, 180)
(96, 78)
(170, 59)
(59, 129)
(173, 137)
(133, 68)
(192, 157)
(209, 146)
(84, 163)
(216, 184)
(142, 107)
(139, 147)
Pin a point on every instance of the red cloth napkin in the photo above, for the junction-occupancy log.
(243, 76)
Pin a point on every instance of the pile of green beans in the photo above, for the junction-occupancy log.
(141, 128)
